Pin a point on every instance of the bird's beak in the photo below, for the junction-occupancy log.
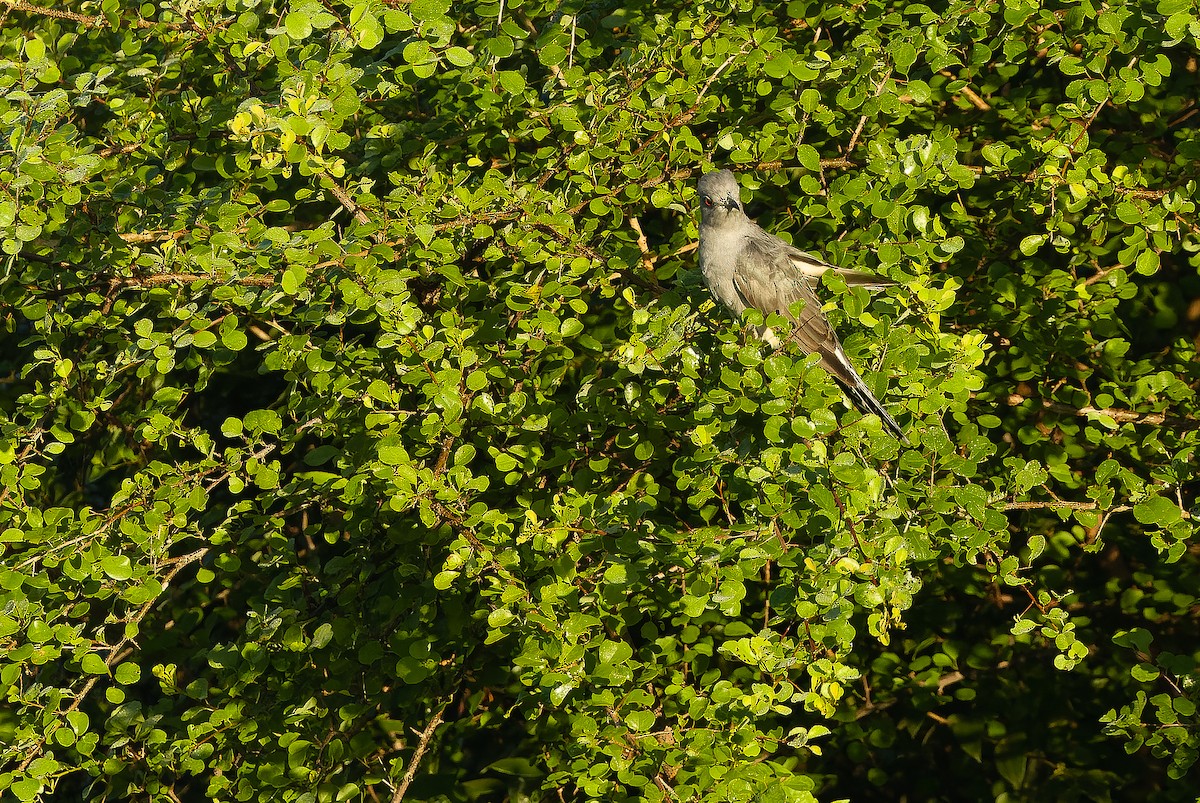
(731, 204)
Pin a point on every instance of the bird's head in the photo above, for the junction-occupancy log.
(719, 196)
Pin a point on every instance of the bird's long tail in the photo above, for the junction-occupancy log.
(865, 401)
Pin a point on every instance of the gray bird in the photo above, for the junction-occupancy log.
(745, 267)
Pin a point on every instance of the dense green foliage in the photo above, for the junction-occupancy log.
(365, 432)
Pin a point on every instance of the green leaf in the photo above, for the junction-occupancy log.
(322, 636)
(808, 157)
(1032, 243)
(93, 664)
(903, 54)
(262, 421)
(640, 721)
(127, 673)
(298, 25)
(552, 55)
(367, 31)
(1144, 673)
(204, 339)
(117, 567)
(418, 52)
(513, 82)
(429, 10)
(459, 56)
(27, 789)
(1156, 510)
(500, 46)
(35, 49)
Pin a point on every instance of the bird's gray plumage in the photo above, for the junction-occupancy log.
(746, 267)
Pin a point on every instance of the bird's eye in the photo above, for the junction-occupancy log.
(707, 201)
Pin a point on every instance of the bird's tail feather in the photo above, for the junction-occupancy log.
(865, 401)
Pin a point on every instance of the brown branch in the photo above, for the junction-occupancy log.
(418, 754)
(659, 781)
(1122, 416)
(167, 278)
(643, 244)
(862, 121)
(135, 237)
(708, 84)
(121, 151)
(116, 285)
(1100, 274)
(345, 200)
(853, 533)
(83, 19)
(1064, 505)
(1084, 128)
(840, 163)
(1152, 195)
(154, 280)
(1061, 505)
(871, 708)
(116, 653)
(970, 94)
(1195, 229)
(444, 457)
(948, 680)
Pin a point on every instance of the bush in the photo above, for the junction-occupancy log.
(367, 433)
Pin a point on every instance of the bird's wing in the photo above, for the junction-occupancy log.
(767, 280)
(814, 267)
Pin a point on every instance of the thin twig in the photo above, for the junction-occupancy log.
(116, 654)
(169, 278)
(135, 237)
(84, 20)
(718, 72)
(418, 754)
(1084, 128)
(1123, 416)
(976, 101)
(857, 130)
(1100, 274)
(444, 457)
(853, 533)
(863, 120)
(116, 285)
(659, 781)
(643, 244)
(345, 200)
(840, 163)
(1062, 505)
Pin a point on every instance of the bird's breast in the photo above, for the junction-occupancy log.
(718, 276)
